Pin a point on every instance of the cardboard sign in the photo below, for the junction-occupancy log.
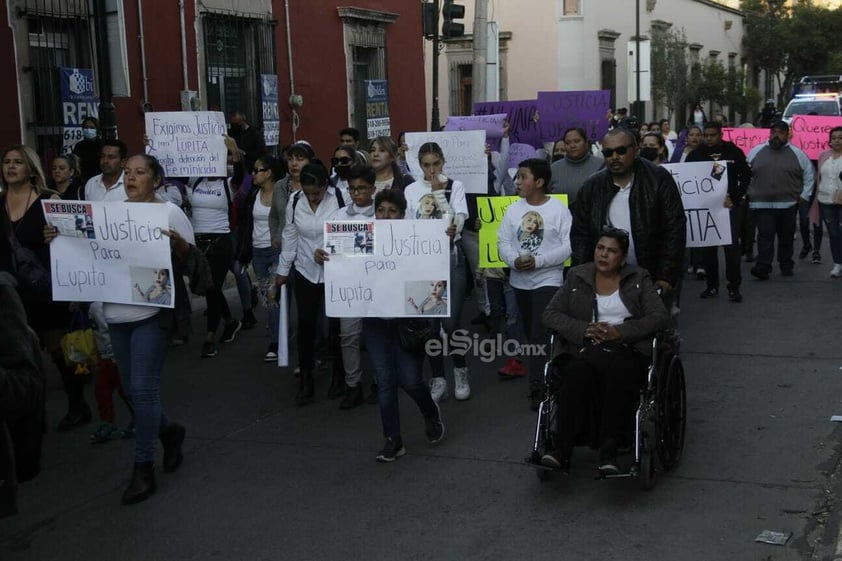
(703, 186)
(586, 109)
(188, 143)
(464, 156)
(811, 133)
(746, 139)
(491, 124)
(522, 116)
(110, 252)
(406, 275)
(491, 211)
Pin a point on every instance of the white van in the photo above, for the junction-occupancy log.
(813, 104)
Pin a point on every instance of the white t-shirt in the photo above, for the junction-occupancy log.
(544, 231)
(611, 309)
(125, 313)
(380, 185)
(260, 236)
(209, 205)
(95, 190)
(619, 216)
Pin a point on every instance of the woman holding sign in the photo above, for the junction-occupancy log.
(437, 196)
(140, 339)
(384, 160)
(534, 240)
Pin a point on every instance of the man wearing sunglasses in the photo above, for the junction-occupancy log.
(637, 196)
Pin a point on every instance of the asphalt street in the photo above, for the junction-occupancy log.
(266, 480)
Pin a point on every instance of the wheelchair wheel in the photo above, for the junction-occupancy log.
(672, 413)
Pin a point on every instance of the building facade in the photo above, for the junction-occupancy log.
(583, 45)
(171, 55)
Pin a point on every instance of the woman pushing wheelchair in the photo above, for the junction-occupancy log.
(605, 316)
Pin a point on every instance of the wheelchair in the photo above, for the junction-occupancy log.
(659, 423)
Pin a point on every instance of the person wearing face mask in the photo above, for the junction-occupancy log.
(653, 148)
(558, 150)
(783, 179)
(570, 172)
(344, 157)
(88, 149)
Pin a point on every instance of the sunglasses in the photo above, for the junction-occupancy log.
(343, 161)
(620, 150)
(258, 170)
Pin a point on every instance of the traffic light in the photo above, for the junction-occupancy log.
(430, 19)
(450, 12)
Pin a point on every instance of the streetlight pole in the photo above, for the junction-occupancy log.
(637, 60)
(435, 123)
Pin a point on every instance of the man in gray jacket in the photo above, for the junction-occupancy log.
(783, 178)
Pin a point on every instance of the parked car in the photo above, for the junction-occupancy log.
(813, 104)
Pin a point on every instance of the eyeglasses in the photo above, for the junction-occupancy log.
(258, 170)
(343, 161)
(620, 150)
(358, 188)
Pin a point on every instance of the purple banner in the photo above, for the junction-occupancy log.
(519, 152)
(491, 124)
(560, 111)
(521, 114)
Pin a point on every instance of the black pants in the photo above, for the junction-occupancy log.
(310, 301)
(732, 256)
(531, 305)
(775, 223)
(219, 253)
(597, 405)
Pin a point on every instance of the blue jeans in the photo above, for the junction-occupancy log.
(395, 367)
(772, 222)
(456, 290)
(140, 349)
(832, 218)
(265, 261)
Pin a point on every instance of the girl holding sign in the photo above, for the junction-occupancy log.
(437, 196)
(534, 240)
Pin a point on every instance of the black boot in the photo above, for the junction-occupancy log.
(142, 485)
(78, 414)
(306, 390)
(337, 385)
(172, 437)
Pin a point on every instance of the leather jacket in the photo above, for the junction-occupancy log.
(657, 218)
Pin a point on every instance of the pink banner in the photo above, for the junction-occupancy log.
(811, 133)
(746, 139)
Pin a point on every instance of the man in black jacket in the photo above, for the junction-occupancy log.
(739, 174)
(22, 420)
(639, 197)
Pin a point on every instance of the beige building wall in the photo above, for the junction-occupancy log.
(545, 49)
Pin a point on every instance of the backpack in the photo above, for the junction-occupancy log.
(297, 197)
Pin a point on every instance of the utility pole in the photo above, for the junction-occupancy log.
(435, 122)
(637, 108)
(480, 44)
(107, 115)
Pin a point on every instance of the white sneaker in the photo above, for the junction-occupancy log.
(836, 272)
(461, 388)
(438, 389)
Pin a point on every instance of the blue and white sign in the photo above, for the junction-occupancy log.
(377, 108)
(78, 100)
(271, 113)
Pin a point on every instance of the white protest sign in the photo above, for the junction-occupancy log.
(464, 156)
(407, 275)
(703, 186)
(188, 143)
(110, 252)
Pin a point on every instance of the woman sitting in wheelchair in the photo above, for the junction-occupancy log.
(605, 316)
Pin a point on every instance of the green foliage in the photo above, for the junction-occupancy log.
(669, 68)
(792, 42)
